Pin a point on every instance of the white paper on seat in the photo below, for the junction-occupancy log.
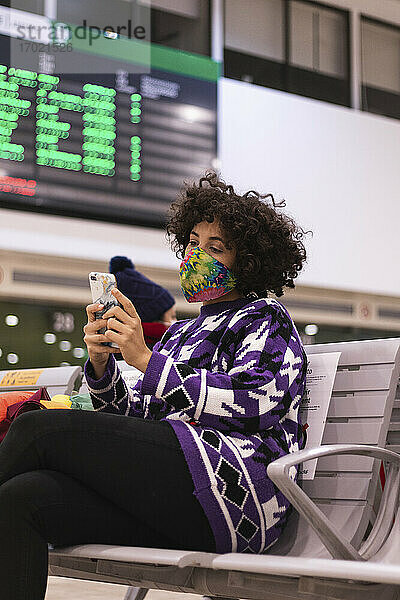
(314, 407)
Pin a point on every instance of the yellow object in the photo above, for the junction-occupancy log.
(25, 377)
(56, 404)
(60, 397)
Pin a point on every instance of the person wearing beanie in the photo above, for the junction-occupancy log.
(154, 304)
(179, 460)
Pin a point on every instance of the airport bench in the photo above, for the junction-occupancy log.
(315, 557)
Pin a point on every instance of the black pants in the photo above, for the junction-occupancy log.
(79, 477)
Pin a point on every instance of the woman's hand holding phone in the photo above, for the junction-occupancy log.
(98, 353)
(124, 327)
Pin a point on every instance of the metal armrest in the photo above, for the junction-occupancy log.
(338, 546)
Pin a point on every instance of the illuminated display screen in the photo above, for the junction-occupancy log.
(112, 147)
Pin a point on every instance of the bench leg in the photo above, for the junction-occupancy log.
(135, 593)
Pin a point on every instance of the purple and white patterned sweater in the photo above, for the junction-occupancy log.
(230, 383)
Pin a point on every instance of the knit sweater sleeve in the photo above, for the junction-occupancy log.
(266, 376)
(111, 394)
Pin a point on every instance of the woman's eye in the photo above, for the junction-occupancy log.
(193, 243)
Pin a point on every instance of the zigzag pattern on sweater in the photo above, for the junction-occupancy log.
(230, 385)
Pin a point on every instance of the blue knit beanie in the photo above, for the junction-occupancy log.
(150, 299)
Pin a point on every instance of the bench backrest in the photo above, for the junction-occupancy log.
(360, 412)
(57, 380)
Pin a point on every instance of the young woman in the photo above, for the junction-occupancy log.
(179, 461)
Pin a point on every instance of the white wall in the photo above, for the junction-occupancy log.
(338, 170)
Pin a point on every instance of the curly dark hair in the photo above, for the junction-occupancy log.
(269, 247)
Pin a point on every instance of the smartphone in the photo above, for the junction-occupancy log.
(101, 285)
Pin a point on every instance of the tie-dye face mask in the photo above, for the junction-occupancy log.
(204, 277)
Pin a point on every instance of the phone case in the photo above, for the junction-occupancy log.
(101, 285)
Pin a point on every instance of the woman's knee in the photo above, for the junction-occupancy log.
(35, 422)
(27, 430)
(24, 428)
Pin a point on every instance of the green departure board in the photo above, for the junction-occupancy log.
(115, 146)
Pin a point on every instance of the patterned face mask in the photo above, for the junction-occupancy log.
(204, 277)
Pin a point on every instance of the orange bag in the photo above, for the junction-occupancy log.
(8, 398)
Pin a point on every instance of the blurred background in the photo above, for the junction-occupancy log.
(293, 97)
